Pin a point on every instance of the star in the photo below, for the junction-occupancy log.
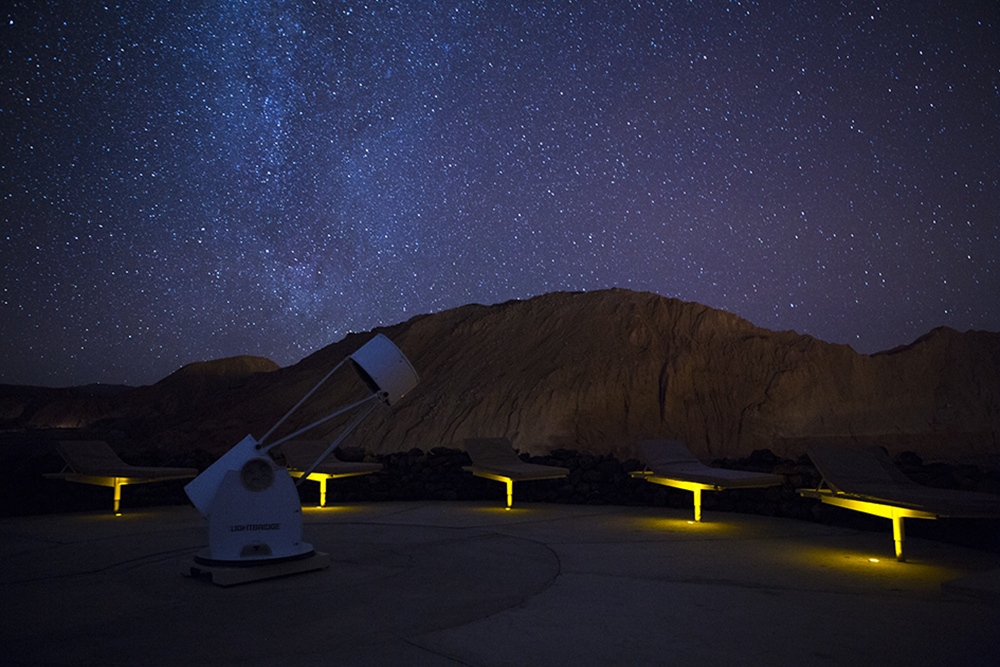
(263, 178)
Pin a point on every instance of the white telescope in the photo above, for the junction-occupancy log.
(252, 506)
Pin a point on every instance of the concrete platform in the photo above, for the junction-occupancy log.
(457, 583)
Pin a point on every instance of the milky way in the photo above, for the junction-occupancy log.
(184, 181)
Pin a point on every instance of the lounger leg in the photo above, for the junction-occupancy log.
(898, 535)
(510, 493)
(118, 495)
(697, 504)
(322, 492)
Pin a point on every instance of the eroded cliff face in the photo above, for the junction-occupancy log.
(598, 371)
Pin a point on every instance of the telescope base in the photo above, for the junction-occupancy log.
(242, 572)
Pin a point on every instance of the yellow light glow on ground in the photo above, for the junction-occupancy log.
(329, 509)
(502, 510)
(858, 562)
(685, 526)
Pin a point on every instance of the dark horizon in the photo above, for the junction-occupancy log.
(102, 388)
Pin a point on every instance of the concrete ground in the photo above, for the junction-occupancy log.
(456, 583)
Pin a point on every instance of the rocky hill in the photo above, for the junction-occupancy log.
(589, 371)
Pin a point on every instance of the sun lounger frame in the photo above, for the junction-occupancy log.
(693, 475)
(835, 488)
(324, 477)
(696, 487)
(118, 473)
(509, 481)
(323, 472)
(882, 509)
(505, 466)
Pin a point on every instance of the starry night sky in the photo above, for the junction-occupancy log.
(183, 181)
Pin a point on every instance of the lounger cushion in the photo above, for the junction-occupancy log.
(497, 456)
(672, 459)
(867, 473)
(97, 459)
(300, 454)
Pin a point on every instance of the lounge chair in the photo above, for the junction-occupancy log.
(671, 463)
(94, 462)
(301, 454)
(494, 458)
(864, 479)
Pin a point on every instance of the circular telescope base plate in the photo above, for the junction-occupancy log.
(230, 573)
(204, 558)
